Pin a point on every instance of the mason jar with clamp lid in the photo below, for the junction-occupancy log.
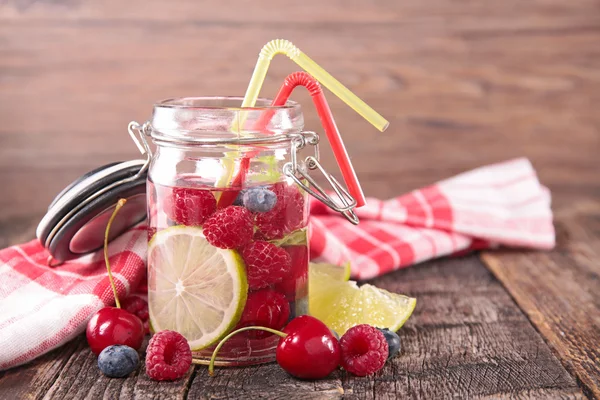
(227, 220)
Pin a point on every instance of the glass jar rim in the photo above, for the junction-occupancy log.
(180, 103)
(221, 120)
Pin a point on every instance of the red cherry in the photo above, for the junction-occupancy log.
(307, 348)
(309, 351)
(111, 325)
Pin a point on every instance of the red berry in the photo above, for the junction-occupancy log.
(264, 308)
(110, 326)
(295, 284)
(286, 216)
(151, 233)
(191, 207)
(364, 350)
(294, 208)
(168, 356)
(229, 228)
(309, 351)
(265, 264)
(138, 307)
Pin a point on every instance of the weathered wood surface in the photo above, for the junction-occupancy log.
(466, 339)
(559, 291)
(463, 84)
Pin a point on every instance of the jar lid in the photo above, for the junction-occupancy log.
(76, 219)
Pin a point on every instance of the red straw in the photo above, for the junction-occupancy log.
(331, 130)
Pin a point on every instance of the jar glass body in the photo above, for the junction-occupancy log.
(210, 156)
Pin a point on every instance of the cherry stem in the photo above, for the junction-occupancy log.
(120, 204)
(211, 365)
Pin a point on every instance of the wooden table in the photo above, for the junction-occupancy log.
(463, 83)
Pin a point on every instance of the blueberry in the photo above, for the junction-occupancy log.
(393, 341)
(239, 199)
(259, 199)
(118, 361)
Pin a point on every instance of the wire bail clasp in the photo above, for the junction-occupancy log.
(138, 134)
(345, 202)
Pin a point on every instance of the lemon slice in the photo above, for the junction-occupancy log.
(194, 288)
(342, 304)
(332, 271)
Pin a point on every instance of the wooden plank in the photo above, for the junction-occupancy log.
(272, 12)
(467, 339)
(558, 290)
(509, 77)
(34, 380)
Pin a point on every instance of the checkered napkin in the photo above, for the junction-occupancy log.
(42, 308)
(501, 204)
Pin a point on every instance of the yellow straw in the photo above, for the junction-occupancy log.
(281, 46)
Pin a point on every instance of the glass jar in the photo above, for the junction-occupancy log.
(227, 228)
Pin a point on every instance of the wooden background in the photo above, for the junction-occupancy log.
(463, 82)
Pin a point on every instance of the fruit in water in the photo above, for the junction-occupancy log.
(286, 216)
(168, 356)
(118, 361)
(266, 264)
(295, 284)
(264, 308)
(206, 285)
(259, 200)
(342, 304)
(229, 228)
(239, 200)
(188, 206)
(364, 350)
(393, 341)
(111, 326)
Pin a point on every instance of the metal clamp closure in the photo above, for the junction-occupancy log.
(138, 134)
(345, 202)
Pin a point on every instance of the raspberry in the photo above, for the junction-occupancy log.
(229, 228)
(294, 286)
(287, 214)
(191, 207)
(364, 350)
(265, 264)
(168, 356)
(138, 307)
(264, 308)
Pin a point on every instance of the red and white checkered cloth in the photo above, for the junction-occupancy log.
(501, 204)
(42, 308)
